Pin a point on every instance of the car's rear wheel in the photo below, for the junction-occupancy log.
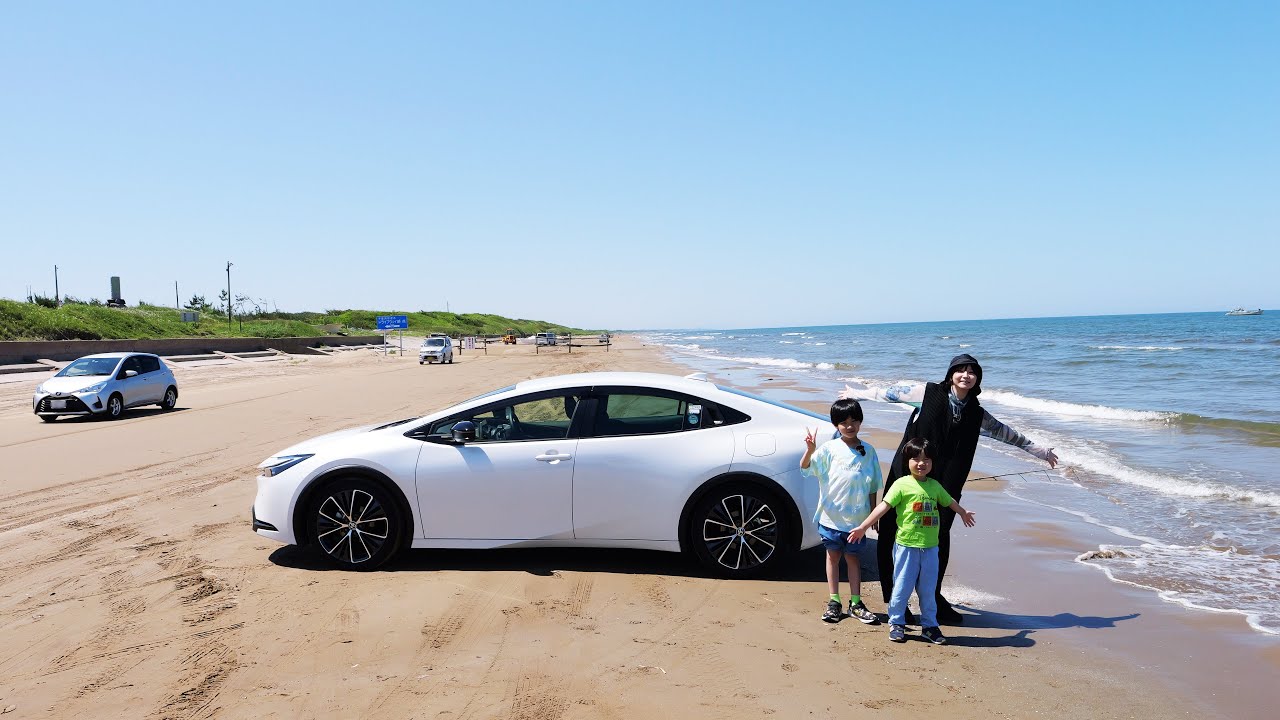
(739, 530)
(356, 522)
(170, 400)
(115, 407)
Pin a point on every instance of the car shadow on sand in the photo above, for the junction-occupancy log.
(805, 566)
(138, 412)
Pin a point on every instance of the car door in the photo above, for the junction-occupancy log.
(155, 384)
(643, 455)
(514, 482)
(133, 389)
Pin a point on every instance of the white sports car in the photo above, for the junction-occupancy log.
(634, 460)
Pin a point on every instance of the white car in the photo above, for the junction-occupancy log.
(636, 460)
(544, 338)
(106, 384)
(437, 348)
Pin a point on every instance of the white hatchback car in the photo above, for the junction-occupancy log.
(437, 348)
(634, 460)
(106, 384)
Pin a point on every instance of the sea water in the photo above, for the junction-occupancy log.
(1167, 427)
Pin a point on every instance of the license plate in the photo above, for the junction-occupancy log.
(58, 404)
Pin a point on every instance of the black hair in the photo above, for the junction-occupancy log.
(917, 446)
(844, 409)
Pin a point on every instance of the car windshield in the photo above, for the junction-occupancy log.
(434, 342)
(89, 366)
(485, 395)
(774, 403)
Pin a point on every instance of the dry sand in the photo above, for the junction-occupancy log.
(132, 587)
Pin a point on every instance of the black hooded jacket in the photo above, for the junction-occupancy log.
(954, 440)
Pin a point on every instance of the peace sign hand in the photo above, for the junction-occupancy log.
(811, 439)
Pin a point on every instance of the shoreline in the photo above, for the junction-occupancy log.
(134, 586)
(1214, 659)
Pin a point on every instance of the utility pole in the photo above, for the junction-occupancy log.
(176, 305)
(57, 298)
(228, 296)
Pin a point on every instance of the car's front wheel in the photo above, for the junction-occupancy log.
(356, 522)
(739, 530)
(170, 400)
(115, 407)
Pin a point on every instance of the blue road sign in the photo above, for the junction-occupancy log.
(393, 322)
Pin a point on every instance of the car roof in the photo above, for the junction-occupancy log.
(639, 379)
(114, 355)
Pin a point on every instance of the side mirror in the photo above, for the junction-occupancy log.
(130, 373)
(464, 431)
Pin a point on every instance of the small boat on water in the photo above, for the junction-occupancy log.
(1242, 311)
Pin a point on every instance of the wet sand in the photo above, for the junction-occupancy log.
(132, 587)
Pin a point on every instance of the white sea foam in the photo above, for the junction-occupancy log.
(825, 366)
(699, 337)
(966, 344)
(1106, 464)
(789, 363)
(1075, 410)
(1143, 348)
(1204, 578)
(794, 333)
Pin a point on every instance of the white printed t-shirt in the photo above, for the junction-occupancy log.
(847, 483)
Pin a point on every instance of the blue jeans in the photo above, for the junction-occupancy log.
(914, 569)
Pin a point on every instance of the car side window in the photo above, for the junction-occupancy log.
(134, 363)
(546, 418)
(643, 414)
(149, 364)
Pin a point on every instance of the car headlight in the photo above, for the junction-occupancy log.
(95, 388)
(279, 464)
(40, 389)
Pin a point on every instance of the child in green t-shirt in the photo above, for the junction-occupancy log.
(915, 550)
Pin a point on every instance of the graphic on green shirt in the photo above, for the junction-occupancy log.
(916, 504)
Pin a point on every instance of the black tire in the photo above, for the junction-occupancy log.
(739, 530)
(48, 418)
(364, 543)
(115, 407)
(421, 361)
(450, 358)
(170, 400)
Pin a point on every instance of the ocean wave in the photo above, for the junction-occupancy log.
(1107, 465)
(789, 363)
(1203, 578)
(1066, 409)
(1145, 348)
(793, 333)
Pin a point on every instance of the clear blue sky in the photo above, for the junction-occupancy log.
(648, 164)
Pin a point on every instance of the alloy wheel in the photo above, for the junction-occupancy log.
(352, 525)
(740, 532)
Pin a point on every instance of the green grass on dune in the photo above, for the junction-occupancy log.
(75, 321)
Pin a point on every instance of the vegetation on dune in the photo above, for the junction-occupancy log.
(77, 320)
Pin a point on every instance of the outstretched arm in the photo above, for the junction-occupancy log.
(911, 394)
(871, 520)
(965, 515)
(997, 430)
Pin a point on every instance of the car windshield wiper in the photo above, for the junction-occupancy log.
(393, 424)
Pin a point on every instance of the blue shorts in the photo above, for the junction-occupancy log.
(839, 540)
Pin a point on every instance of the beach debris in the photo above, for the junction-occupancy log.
(1102, 555)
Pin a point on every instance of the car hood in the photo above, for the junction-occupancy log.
(72, 384)
(311, 446)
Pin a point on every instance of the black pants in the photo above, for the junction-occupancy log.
(888, 528)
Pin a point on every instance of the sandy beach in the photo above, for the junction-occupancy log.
(132, 587)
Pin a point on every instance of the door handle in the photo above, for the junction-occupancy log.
(553, 457)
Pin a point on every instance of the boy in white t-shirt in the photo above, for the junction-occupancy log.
(849, 475)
